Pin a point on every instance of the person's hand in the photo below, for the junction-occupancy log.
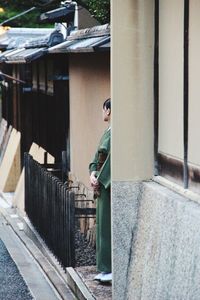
(93, 180)
(95, 184)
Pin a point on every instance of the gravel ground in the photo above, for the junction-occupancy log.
(85, 255)
(12, 285)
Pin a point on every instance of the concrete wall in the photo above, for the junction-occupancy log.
(156, 242)
(164, 257)
(89, 87)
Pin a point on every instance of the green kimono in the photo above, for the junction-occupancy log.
(103, 211)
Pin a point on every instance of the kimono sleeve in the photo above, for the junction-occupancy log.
(104, 174)
(93, 164)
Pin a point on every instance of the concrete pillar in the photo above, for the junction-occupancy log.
(132, 23)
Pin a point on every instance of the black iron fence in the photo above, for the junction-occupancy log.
(49, 205)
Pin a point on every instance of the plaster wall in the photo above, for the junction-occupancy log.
(194, 91)
(171, 14)
(89, 87)
(132, 89)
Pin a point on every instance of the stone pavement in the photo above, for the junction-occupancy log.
(12, 284)
(41, 278)
(39, 286)
(99, 290)
(81, 280)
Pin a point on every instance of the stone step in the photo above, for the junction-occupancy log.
(81, 282)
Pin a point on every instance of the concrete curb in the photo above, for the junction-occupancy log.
(55, 276)
(77, 285)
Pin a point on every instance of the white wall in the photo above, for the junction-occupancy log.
(194, 83)
(171, 77)
(132, 89)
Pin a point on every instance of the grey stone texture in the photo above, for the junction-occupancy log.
(156, 240)
(125, 203)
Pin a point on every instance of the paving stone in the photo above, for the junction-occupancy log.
(12, 284)
(98, 290)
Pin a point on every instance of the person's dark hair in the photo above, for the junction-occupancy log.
(107, 104)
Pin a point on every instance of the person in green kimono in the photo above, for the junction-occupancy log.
(100, 181)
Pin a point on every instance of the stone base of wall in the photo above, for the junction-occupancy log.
(156, 243)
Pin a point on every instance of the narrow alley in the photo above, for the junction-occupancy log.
(21, 276)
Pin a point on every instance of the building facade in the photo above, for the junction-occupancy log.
(155, 142)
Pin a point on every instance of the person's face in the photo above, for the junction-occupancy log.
(106, 114)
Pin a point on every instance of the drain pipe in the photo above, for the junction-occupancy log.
(75, 16)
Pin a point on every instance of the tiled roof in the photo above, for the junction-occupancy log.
(85, 40)
(62, 14)
(17, 37)
(88, 40)
(25, 55)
